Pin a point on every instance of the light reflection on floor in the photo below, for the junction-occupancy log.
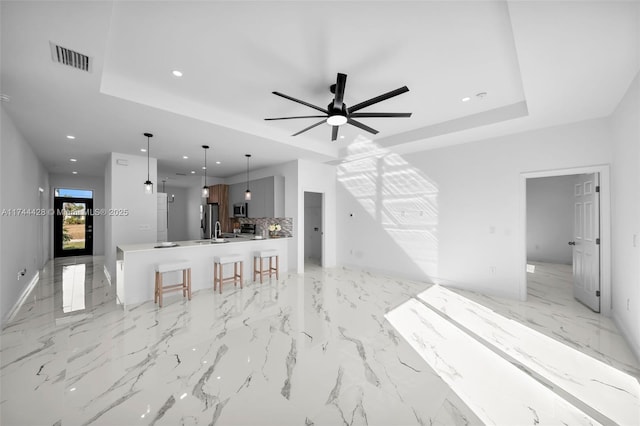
(73, 282)
(573, 350)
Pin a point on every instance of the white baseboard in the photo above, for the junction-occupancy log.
(23, 296)
(106, 274)
(628, 336)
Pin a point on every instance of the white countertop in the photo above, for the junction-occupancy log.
(192, 243)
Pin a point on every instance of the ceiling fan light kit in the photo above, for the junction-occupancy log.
(337, 113)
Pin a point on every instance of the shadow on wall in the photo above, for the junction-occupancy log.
(400, 199)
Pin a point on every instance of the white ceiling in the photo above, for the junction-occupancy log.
(540, 63)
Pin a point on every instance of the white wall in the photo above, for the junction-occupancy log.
(550, 219)
(625, 127)
(124, 190)
(178, 214)
(192, 210)
(24, 241)
(451, 215)
(93, 183)
(312, 225)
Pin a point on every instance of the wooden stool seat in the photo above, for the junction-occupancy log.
(185, 285)
(262, 254)
(219, 262)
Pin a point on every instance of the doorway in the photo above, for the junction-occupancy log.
(73, 223)
(313, 233)
(568, 227)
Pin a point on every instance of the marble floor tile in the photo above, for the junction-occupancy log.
(498, 392)
(309, 349)
(603, 392)
(551, 310)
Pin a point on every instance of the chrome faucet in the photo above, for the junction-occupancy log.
(216, 230)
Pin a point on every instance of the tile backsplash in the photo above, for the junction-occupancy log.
(262, 223)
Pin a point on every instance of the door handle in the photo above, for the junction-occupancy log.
(572, 243)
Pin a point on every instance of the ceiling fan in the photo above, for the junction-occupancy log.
(337, 113)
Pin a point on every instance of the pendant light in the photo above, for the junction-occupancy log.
(148, 185)
(205, 188)
(247, 193)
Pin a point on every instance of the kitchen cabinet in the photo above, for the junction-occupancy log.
(215, 191)
(219, 194)
(267, 197)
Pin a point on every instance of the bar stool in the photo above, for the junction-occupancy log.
(185, 285)
(261, 254)
(219, 262)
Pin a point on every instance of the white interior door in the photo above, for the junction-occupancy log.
(586, 242)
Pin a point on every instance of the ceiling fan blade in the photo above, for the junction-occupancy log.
(310, 127)
(362, 126)
(300, 116)
(380, 114)
(377, 99)
(334, 133)
(301, 102)
(341, 83)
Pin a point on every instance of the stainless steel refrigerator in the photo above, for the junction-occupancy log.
(208, 219)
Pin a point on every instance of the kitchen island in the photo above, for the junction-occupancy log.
(135, 268)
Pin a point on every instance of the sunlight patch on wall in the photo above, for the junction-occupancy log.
(398, 196)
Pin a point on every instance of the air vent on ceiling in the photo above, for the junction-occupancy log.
(71, 58)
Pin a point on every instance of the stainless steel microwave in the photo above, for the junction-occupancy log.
(240, 210)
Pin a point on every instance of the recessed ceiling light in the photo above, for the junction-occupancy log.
(185, 157)
(74, 172)
(193, 172)
(341, 136)
(143, 149)
(466, 99)
(5, 98)
(217, 162)
(204, 168)
(73, 160)
(70, 137)
(176, 73)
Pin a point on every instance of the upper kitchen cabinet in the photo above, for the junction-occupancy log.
(267, 197)
(219, 194)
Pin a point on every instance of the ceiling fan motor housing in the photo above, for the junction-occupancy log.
(337, 111)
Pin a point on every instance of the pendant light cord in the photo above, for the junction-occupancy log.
(147, 158)
(248, 156)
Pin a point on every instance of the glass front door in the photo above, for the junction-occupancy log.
(73, 226)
